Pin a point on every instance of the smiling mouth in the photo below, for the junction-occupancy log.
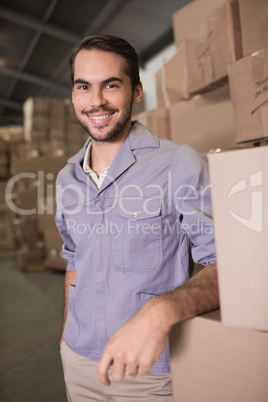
(99, 117)
(105, 116)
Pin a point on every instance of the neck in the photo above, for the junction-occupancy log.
(103, 154)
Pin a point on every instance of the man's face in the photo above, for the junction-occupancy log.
(103, 95)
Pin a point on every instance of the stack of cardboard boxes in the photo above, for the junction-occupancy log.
(193, 85)
(34, 171)
(8, 236)
(11, 138)
(4, 160)
(52, 119)
(51, 135)
(222, 356)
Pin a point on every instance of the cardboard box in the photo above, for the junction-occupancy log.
(29, 165)
(32, 260)
(12, 133)
(36, 127)
(4, 172)
(57, 122)
(14, 148)
(3, 145)
(8, 236)
(36, 106)
(211, 47)
(172, 80)
(55, 164)
(254, 26)
(29, 234)
(46, 220)
(156, 121)
(53, 148)
(212, 363)
(69, 110)
(239, 199)
(28, 150)
(27, 201)
(248, 79)
(4, 160)
(56, 107)
(33, 134)
(54, 244)
(188, 17)
(205, 122)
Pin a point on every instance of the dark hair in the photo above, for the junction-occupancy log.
(113, 44)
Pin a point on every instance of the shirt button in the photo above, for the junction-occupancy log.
(135, 215)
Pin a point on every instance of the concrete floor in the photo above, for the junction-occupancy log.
(31, 311)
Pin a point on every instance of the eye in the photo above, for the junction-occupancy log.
(83, 87)
(111, 86)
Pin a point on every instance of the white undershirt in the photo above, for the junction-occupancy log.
(86, 167)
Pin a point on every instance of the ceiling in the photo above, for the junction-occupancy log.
(36, 38)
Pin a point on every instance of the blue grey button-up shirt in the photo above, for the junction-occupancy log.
(134, 238)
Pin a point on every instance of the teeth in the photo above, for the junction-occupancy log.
(99, 117)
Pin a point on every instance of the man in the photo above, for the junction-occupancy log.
(132, 210)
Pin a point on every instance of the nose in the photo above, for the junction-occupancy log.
(98, 98)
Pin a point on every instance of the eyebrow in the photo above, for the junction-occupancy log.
(104, 82)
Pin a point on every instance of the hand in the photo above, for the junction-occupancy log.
(136, 346)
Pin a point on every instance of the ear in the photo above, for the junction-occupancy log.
(138, 93)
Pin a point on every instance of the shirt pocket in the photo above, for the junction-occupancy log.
(136, 241)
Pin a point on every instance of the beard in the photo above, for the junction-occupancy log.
(115, 132)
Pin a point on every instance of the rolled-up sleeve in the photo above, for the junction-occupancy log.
(192, 204)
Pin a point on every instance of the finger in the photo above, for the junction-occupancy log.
(131, 373)
(118, 371)
(102, 369)
(145, 365)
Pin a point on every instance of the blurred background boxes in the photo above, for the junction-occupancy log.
(172, 80)
(54, 244)
(205, 122)
(211, 46)
(212, 363)
(187, 18)
(4, 160)
(248, 80)
(156, 121)
(254, 26)
(31, 260)
(239, 198)
(8, 234)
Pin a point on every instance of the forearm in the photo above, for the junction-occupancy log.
(196, 296)
(138, 344)
(69, 279)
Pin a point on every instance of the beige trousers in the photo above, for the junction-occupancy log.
(82, 384)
